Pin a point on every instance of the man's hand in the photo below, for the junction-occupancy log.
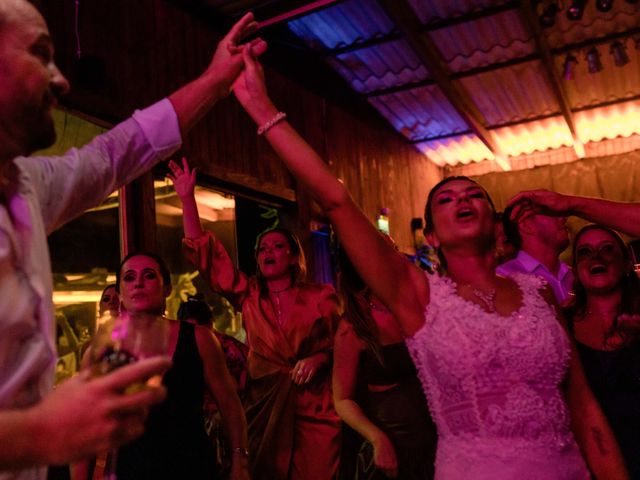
(227, 61)
(539, 202)
(84, 416)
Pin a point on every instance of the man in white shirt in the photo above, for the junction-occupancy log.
(82, 416)
(540, 239)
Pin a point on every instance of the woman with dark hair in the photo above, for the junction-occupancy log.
(175, 444)
(376, 389)
(504, 390)
(294, 431)
(605, 314)
(605, 320)
(109, 301)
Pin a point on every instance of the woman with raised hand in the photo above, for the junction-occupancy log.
(507, 395)
(175, 444)
(294, 432)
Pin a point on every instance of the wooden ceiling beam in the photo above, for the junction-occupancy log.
(470, 17)
(529, 18)
(371, 42)
(290, 10)
(401, 13)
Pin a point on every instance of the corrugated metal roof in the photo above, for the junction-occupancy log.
(345, 24)
(381, 66)
(484, 41)
(457, 150)
(534, 136)
(512, 94)
(621, 120)
(420, 112)
(517, 92)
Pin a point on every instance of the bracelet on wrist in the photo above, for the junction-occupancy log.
(268, 125)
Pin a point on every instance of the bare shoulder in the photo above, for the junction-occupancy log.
(346, 336)
(412, 294)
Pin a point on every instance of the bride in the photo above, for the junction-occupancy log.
(504, 385)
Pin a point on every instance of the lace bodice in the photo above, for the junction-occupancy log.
(492, 381)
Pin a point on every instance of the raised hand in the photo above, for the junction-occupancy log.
(227, 61)
(183, 179)
(85, 416)
(251, 91)
(544, 202)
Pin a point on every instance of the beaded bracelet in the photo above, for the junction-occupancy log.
(240, 451)
(280, 116)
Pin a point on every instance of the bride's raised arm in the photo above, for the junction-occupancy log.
(398, 283)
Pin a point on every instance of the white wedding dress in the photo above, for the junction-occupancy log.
(493, 387)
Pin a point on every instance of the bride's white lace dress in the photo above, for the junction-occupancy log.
(493, 387)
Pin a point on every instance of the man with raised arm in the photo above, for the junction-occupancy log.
(37, 195)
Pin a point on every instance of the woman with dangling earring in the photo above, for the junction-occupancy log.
(294, 431)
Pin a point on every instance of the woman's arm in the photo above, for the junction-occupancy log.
(184, 182)
(346, 357)
(590, 427)
(222, 387)
(399, 284)
(201, 248)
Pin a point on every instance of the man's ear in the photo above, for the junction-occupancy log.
(525, 227)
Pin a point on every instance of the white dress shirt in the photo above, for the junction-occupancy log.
(43, 194)
(561, 284)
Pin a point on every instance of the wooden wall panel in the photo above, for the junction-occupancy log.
(148, 48)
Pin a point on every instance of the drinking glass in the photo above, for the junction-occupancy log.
(123, 339)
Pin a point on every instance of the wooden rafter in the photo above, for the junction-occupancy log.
(530, 20)
(471, 16)
(292, 10)
(401, 13)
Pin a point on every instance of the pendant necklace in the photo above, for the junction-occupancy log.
(487, 298)
(276, 304)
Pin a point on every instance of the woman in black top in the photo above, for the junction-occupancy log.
(175, 444)
(604, 319)
(376, 390)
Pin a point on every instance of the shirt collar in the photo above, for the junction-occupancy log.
(530, 264)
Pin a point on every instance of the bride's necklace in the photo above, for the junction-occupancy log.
(487, 298)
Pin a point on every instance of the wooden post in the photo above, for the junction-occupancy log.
(137, 215)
